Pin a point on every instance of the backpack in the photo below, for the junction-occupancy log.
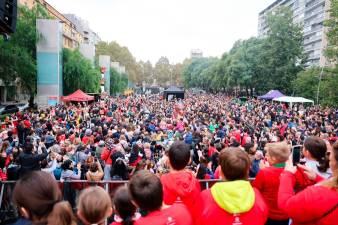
(57, 173)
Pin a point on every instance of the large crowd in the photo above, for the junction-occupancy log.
(163, 148)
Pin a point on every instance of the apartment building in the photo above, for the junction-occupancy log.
(89, 36)
(72, 38)
(196, 54)
(310, 14)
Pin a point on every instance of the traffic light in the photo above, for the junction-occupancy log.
(8, 16)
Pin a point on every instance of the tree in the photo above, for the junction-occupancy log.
(284, 50)
(18, 55)
(146, 69)
(78, 73)
(122, 55)
(163, 70)
(306, 83)
(332, 34)
(198, 74)
(177, 71)
(118, 82)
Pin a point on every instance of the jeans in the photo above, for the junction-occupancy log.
(107, 172)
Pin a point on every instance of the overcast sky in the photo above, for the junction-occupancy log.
(154, 28)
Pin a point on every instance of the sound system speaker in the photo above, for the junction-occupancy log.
(8, 16)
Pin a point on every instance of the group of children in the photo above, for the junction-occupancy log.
(176, 198)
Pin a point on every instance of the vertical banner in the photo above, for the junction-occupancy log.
(49, 62)
(104, 61)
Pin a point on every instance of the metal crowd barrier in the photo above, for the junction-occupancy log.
(9, 211)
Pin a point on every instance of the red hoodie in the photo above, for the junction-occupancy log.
(267, 182)
(236, 204)
(309, 206)
(177, 214)
(181, 185)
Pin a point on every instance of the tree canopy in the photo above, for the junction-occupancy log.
(122, 55)
(254, 65)
(78, 73)
(118, 82)
(18, 55)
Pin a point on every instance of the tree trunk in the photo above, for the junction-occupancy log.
(31, 100)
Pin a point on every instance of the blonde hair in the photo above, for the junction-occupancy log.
(146, 145)
(94, 203)
(279, 150)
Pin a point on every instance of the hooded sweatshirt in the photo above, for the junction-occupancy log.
(316, 204)
(180, 186)
(232, 202)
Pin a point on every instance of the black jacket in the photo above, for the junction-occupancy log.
(30, 161)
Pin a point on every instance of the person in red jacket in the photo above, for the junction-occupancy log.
(179, 183)
(317, 204)
(234, 201)
(146, 192)
(105, 157)
(267, 181)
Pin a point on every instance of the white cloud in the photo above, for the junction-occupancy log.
(155, 28)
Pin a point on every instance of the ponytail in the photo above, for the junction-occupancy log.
(62, 214)
(323, 164)
(128, 221)
(318, 150)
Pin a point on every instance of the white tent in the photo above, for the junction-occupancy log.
(291, 100)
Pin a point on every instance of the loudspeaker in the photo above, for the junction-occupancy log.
(8, 16)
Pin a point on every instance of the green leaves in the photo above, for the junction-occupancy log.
(307, 84)
(18, 55)
(122, 55)
(257, 63)
(118, 82)
(78, 73)
(332, 35)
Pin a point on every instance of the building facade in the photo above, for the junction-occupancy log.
(71, 37)
(310, 14)
(89, 36)
(196, 54)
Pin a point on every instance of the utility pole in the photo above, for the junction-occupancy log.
(320, 79)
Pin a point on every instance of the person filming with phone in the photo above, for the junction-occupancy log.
(317, 204)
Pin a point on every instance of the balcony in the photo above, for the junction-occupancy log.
(318, 12)
(314, 57)
(311, 31)
(312, 39)
(314, 5)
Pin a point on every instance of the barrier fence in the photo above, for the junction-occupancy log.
(69, 189)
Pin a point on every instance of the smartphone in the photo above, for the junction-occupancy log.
(296, 154)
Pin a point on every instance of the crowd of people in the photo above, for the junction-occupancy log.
(164, 148)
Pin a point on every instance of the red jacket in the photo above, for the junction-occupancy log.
(302, 181)
(105, 156)
(267, 182)
(177, 214)
(309, 206)
(181, 186)
(207, 212)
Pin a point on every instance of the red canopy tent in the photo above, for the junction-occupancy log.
(78, 96)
